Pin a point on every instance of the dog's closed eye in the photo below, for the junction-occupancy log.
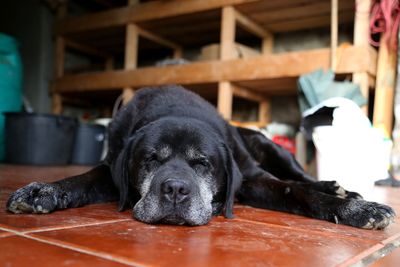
(151, 160)
(200, 164)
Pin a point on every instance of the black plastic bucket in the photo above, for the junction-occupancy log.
(39, 139)
(88, 147)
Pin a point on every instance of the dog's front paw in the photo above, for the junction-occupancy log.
(37, 198)
(364, 214)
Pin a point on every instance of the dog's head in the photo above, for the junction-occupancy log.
(181, 171)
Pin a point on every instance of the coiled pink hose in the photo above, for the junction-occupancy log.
(385, 19)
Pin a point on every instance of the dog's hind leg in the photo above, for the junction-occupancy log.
(264, 191)
(94, 186)
(280, 163)
(272, 157)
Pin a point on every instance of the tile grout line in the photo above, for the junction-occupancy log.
(391, 239)
(358, 257)
(368, 253)
(55, 228)
(46, 229)
(79, 249)
(330, 234)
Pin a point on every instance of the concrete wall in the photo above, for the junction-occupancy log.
(31, 22)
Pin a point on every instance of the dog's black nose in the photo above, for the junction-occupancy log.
(175, 190)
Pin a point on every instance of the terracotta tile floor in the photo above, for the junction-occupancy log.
(98, 235)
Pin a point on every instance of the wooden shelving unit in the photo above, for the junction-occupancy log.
(176, 24)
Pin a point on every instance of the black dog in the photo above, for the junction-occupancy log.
(174, 160)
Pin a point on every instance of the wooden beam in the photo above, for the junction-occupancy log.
(227, 51)
(361, 38)
(157, 39)
(263, 102)
(56, 104)
(334, 32)
(247, 94)
(267, 46)
(228, 31)
(86, 49)
(291, 10)
(131, 46)
(131, 52)
(142, 12)
(131, 57)
(59, 60)
(251, 26)
(385, 87)
(365, 59)
(59, 57)
(178, 53)
(288, 65)
(317, 21)
(361, 23)
(225, 99)
(247, 124)
(264, 113)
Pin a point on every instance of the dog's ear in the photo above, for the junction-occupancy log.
(122, 172)
(233, 181)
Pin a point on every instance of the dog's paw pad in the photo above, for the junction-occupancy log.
(366, 215)
(34, 198)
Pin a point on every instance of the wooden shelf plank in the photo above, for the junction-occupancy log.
(158, 39)
(143, 12)
(272, 66)
(246, 93)
(304, 9)
(201, 24)
(251, 26)
(86, 49)
(275, 15)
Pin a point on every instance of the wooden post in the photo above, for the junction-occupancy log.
(177, 49)
(227, 46)
(267, 45)
(178, 53)
(228, 31)
(264, 110)
(256, 29)
(57, 105)
(264, 113)
(334, 32)
(361, 38)
(225, 99)
(385, 87)
(131, 53)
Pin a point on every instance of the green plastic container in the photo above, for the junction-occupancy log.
(10, 82)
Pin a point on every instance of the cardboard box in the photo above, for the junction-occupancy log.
(211, 52)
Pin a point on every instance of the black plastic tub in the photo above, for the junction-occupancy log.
(39, 139)
(88, 147)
